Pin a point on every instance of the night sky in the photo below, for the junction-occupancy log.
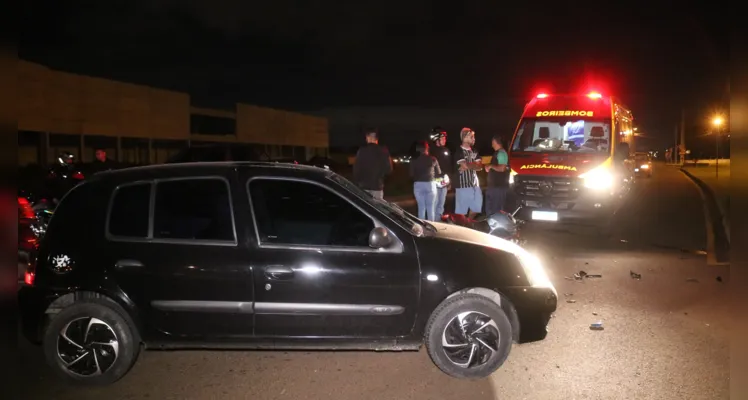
(403, 66)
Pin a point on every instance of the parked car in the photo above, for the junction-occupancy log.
(217, 152)
(327, 163)
(269, 256)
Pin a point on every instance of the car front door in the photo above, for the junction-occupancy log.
(316, 275)
(183, 266)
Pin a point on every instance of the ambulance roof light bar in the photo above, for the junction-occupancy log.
(542, 95)
(594, 95)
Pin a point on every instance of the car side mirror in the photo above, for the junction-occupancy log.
(380, 238)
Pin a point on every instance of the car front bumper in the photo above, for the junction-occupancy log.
(535, 307)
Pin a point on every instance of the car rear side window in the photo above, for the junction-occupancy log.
(128, 216)
(195, 209)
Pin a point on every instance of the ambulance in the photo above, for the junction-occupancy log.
(570, 157)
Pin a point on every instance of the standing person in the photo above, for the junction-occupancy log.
(498, 178)
(424, 170)
(468, 197)
(444, 157)
(373, 163)
(101, 163)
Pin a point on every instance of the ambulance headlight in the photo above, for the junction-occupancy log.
(599, 178)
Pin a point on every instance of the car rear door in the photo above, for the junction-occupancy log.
(174, 249)
(314, 273)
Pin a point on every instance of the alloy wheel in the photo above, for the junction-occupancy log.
(87, 346)
(470, 339)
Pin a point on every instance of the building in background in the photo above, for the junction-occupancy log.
(137, 124)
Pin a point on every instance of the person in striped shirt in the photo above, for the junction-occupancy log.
(468, 196)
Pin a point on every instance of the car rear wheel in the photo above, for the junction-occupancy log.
(469, 336)
(90, 343)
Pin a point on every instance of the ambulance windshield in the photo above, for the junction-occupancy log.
(555, 135)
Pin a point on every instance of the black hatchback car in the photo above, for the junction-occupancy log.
(269, 256)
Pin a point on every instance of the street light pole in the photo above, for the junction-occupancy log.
(716, 142)
(717, 121)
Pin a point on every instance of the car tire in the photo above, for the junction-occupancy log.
(90, 343)
(457, 341)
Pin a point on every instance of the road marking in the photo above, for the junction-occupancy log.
(711, 258)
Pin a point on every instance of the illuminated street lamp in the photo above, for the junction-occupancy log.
(717, 122)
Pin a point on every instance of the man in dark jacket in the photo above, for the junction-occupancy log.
(101, 163)
(373, 163)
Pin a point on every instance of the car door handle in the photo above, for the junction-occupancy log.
(129, 264)
(278, 272)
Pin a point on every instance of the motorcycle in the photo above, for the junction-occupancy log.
(502, 224)
(43, 200)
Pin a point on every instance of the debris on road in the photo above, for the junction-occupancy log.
(634, 275)
(594, 313)
(571, 301)
(582, 274)
(624, 241)
(692, 280)
(597, 326)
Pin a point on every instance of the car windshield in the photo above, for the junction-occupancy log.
(567, 136)
(393, 211)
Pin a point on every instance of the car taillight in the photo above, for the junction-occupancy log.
(28, 278)
(29, 274)
(78, 176)
(25, 208)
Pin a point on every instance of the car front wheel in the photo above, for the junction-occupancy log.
(469, 336)
(90, 343)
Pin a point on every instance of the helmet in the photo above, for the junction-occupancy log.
(437, 133)
(65, 158)
(503, 225)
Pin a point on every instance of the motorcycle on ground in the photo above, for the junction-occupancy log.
(502, 224)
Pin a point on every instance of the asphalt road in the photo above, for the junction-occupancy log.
(665, 336)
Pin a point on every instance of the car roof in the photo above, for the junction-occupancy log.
(158, 171)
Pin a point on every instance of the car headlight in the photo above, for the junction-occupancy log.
(534, 269)
(645, 166)
(536, 273)
(598, 178)
(531, 264)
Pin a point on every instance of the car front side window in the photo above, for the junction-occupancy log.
(301, 213)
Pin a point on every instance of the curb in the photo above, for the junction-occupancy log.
(710, 193)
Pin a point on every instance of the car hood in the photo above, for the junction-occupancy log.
(468, 243)
(470, 236)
